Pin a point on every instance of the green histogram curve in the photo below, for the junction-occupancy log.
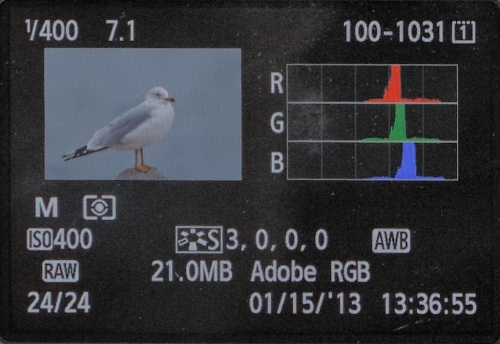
(398, 130)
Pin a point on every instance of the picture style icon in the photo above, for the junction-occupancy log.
(198, 239)
(103, 207)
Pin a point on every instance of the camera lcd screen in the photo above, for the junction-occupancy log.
(249, 171)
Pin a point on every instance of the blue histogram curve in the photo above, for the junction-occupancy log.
(408, 168)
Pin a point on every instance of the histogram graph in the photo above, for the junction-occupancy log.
(372, 122)
(392, 92)
(408, 168)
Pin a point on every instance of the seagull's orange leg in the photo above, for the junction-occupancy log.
(142, 167)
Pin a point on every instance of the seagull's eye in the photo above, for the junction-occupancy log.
(158, 95)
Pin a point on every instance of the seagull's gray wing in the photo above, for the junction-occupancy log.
(113, 133)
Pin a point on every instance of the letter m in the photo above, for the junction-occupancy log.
(41, 208)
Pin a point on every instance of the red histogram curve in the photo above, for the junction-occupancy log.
(392, 94)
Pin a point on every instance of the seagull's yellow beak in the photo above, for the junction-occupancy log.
(169, 99)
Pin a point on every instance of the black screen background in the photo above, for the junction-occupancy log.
(453, 224)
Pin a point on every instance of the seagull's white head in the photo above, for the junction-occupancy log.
(158, 94)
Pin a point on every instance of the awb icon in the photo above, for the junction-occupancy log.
(390, 240)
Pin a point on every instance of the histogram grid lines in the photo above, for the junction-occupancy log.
(321, 118)
(355, 127)
(417, 103)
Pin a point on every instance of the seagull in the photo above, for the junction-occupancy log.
(134, 129)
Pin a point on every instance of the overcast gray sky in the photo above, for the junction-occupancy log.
(85, 89)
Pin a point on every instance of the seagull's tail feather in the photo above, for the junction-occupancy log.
(81, 152)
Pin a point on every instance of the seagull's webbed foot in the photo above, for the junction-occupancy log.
(142, 168)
